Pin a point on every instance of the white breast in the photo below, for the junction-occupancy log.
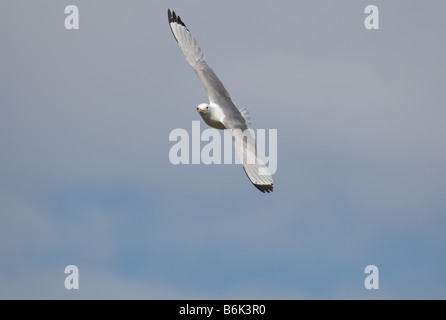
(214, 118)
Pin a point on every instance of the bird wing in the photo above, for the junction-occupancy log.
(255, 169)
(194, 56)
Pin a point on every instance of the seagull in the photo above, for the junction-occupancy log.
(221, 112)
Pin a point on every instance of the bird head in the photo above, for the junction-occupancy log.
(203, 109)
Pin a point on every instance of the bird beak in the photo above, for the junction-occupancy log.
(200, 110)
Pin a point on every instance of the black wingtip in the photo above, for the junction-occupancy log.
(265, 187)
(262, 187)
(174, 18)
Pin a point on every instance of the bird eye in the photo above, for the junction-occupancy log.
(207, 108)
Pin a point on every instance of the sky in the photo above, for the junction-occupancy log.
(85, 176)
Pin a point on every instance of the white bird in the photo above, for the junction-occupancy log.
(220, 112)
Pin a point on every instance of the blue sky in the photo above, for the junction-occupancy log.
(85, 177)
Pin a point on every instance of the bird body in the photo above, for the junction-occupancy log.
(212, 115)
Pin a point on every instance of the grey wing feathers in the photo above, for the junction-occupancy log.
(195, 58)
(255, 169)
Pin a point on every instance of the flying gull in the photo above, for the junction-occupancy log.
(220, 112)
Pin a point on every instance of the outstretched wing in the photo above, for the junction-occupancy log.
(194, 56)
(257, 172)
